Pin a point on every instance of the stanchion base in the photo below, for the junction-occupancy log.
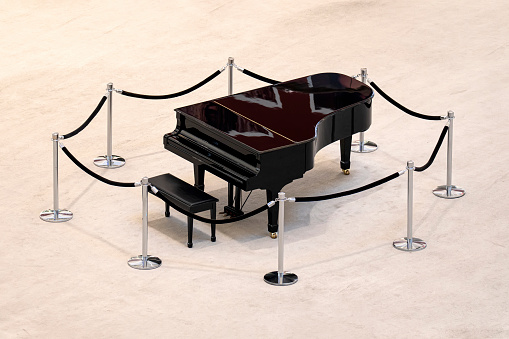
(288, 279)
(149, 264)
(56, 215)
(449, 192)
(403, 244)
(115, 162)
(367, 147)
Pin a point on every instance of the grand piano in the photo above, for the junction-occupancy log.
(267, 137)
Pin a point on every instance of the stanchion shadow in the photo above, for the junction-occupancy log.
(101, 239)
(347, 255)
(93, 182)
(148, 154)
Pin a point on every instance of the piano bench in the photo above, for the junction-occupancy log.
(187, 197)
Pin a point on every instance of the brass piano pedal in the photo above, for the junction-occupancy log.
(346, 171)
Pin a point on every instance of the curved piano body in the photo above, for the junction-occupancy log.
(267, 137)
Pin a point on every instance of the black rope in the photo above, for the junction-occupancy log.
(259, 77)
(90, 118)
(174, 95)
(403, 108)
(353, 191)
(95, 175)
(212, 221)
(435, 151)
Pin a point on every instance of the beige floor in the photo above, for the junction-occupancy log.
(71, 280)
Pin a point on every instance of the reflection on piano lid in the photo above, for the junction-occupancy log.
(283, 114)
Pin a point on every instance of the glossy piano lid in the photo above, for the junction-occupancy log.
(283, 114)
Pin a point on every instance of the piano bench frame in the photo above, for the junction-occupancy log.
(189, 198)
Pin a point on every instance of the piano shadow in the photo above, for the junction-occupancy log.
(325, 178)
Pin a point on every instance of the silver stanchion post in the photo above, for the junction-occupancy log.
(231, 187)
(449, 191)
(144, 261)
(409, 243)
(55, 214)
(109, 160)
(230, 75)
(280, 277)
(361, 146)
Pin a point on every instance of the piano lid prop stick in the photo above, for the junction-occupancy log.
(361, 146)
(279, 277)
(144, 261)
(55, 214)
(409, 243)
(449, 191)
(109, 160)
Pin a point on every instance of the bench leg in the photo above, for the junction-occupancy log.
(166, 209)
(189, 232)
(213, 226)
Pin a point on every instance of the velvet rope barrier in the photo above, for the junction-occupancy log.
(435, 151)
(403, 108)
(173, 95)
(90, 118)
(349, 192)
(95, 175)
(259, 77)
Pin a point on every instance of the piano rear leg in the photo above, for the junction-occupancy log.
(345, 146)
(199, 176)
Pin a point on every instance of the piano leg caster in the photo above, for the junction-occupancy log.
(346, 171)
(273, 235)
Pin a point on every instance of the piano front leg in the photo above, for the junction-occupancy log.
(345, 146)
(199, 176)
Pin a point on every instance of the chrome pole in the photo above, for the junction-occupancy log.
(279, 277)
(55, 214)
(410, 203)
(109, 160)
(281, 237)
(449, 191)
(54, 138)
(362, 146)
(109, 127)
(231, 187)
(409, 243)
(230, 75)
(144, 236)
(144, 261)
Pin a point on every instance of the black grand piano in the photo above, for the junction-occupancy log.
(267, 137)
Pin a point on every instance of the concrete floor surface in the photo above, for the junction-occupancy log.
(71, 280)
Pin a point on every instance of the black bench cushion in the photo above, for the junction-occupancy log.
(182, 194)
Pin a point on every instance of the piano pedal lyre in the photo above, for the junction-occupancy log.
(346, 171)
